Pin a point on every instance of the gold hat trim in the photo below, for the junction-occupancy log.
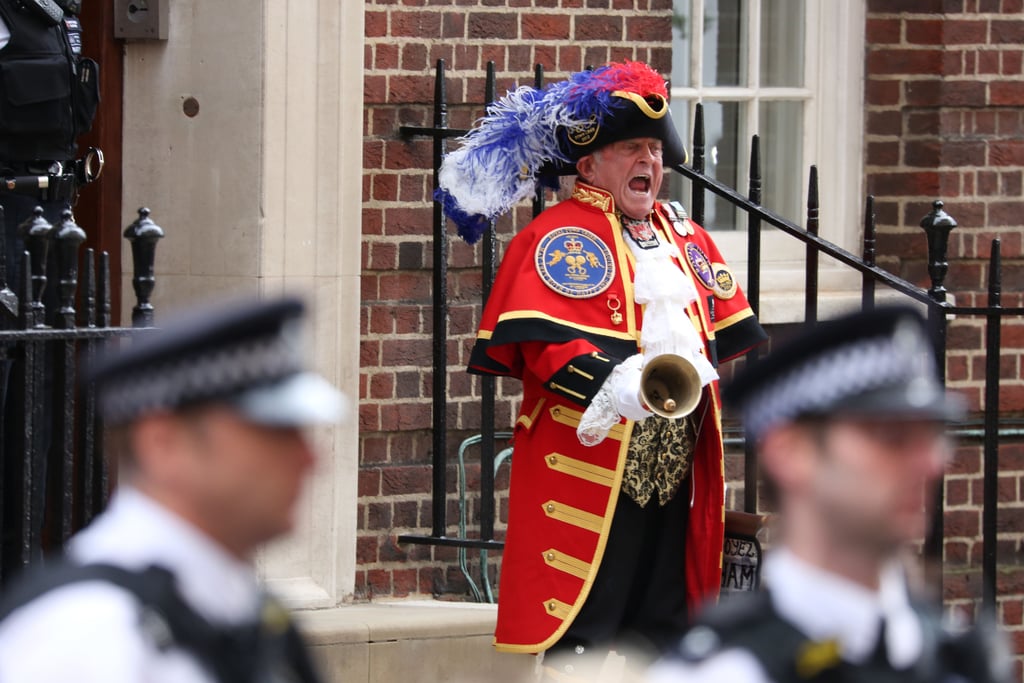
(643, 105)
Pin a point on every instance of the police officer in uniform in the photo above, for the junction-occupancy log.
(615, 527)
(48, 97)
(208, 418)
(849, 420)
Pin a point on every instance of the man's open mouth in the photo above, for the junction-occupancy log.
(640, 183)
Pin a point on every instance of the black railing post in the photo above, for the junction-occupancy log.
(87, 420)
(439, 132)
(8, 299)
(29, 539)
(101, 479)
(867, 296)
(989, 521)
(539, 198)
(697, 188)
(68, 237)
(750, 469)
(103, 294)
(143, 233)
(440, 319)
(35, 232)
(8, 319)
(5, 374)
(937, 225)
(487, 382)
(811, 274)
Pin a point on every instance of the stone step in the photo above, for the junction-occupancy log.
(401, 642)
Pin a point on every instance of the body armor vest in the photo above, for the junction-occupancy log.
(48, 95)
(268, 650)
(749, 622)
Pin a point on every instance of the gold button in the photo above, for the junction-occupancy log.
(551, 606)
(551, 507)
(550, 556)
(553, 459)
(593, 354)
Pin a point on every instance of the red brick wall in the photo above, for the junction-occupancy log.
(944, 99)
(404, 40)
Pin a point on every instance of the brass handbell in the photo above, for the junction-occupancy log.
(670, 385)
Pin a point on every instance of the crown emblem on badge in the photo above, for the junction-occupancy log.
(573, 246)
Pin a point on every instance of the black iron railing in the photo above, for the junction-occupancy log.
(53, 475)
(937, 225)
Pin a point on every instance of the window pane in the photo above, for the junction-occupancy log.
(676, 186)
(782, 43)
(724, 134)
(681, 43)
(781, 149)
(681, 118)
(725, 42)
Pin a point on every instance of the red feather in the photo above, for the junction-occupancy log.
(634, 77)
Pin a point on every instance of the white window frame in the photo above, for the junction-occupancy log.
(833, 141)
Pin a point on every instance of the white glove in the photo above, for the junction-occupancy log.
(624, 383)
(618, 397)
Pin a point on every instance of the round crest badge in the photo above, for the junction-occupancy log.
(701, 265)
(725, 283)
(584, 133)
(574, 262)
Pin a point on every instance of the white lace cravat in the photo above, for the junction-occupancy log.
(666, 291)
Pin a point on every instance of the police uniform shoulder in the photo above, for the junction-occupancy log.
(728, 624)
(979, 653)
(748, 624)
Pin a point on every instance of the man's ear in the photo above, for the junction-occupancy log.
(788, 454)
(157, 443)
(585, 167)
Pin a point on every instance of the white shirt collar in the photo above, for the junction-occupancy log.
(136, 532)
(826, 606)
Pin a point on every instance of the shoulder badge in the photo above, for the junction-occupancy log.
(574, 262)
(725, 283)
(700, 264)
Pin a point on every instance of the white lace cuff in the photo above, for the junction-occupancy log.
(618, 397)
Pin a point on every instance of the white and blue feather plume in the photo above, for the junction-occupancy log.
(497, 165)
(500, 160)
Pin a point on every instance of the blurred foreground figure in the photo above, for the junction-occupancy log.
(207, 418)
(849, 420)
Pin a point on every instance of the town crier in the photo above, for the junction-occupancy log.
(616, 513)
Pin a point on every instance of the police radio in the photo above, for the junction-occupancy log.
(47, 11)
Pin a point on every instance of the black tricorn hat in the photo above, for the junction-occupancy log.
(246, 353)
(876, 363)
(633, 116)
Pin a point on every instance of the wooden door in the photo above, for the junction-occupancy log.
(98, 210)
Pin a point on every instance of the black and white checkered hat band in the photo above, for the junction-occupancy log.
(218, 373)
(823, 382)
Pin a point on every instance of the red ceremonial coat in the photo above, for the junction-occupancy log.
(560, 316)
